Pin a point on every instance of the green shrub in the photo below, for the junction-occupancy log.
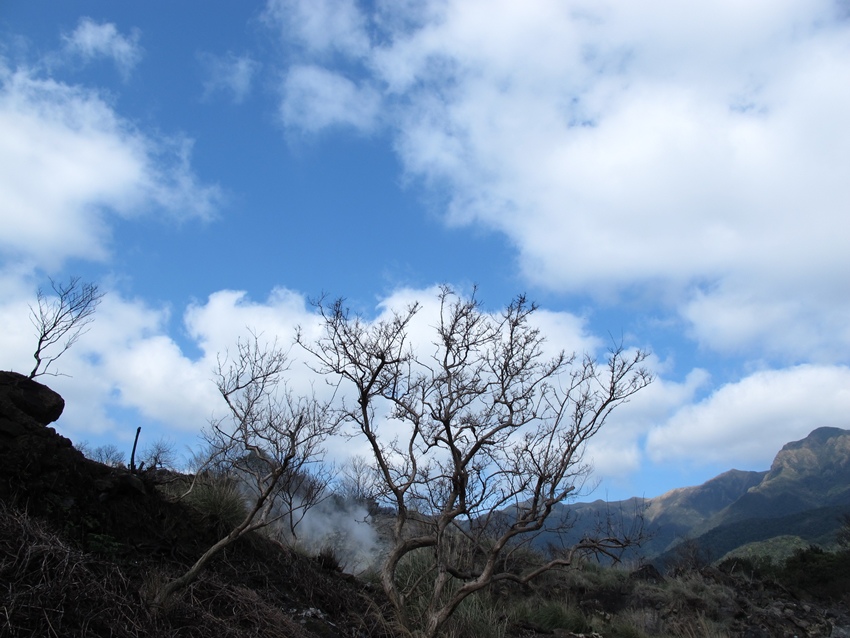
(820, 573)
(751, 567)
(842, 537)
(696, 593)
(328, 558)
(478, 616)
(593, 578)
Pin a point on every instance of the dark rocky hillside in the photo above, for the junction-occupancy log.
(82, 546)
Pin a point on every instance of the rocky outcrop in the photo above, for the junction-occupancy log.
(39, 468)
(24, 401)
(42, 474)
(34, 458)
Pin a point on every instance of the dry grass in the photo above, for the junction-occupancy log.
(50, 588)
(219, 504)
(698, 627)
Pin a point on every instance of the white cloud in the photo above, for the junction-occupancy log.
(105, 366)
(153, 376)
(321, 26)
(124, 368)
(799, 323)
(17, 338)
(91, 40)
(231, 313)
(699, 153)
(68, 162)
(618, 450)
(230, 74)
(315, 99)
(69, 165)
(128, 369)
(747, 422)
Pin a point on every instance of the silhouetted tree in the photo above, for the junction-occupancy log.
(108, 454)
(159, 454)
(271, 442)
(60, 320)
(483, 436)
(359, 480)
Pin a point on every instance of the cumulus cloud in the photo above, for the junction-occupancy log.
(315, 99)
(215, 324)
(746, 422)
(321, 26)
(17, 339)
(128, 369)
(91, 40)
(128, 360)
(794, 324)
(618, 450)
(70, 165)
(122, 362)
(620, 147)
(229, 74)
(68, 162)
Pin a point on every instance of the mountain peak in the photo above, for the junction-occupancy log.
(816, 438)
(816, 468)
(824, 447)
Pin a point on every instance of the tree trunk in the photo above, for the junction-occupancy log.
(192, 573)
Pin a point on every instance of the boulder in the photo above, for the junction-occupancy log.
(34, 458)
(22, 396)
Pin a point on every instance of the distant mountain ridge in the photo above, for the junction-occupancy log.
(802, 494)
(807, 474)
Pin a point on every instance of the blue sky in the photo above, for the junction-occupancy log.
(675, 175)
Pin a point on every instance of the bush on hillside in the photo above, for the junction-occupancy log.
(817, 572)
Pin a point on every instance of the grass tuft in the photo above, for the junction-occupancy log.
(219, 504)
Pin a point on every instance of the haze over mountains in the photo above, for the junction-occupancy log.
(802, 495)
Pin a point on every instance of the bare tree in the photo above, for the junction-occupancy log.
(159, 454)
(271, 443)
(59, 321)
(484, 437)
(108, 454)
(358, 481)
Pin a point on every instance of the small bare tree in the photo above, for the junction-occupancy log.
(59, 321)
(271, 444)
(159, 454)
(482, 438)
(108, 454)
(358, 480)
